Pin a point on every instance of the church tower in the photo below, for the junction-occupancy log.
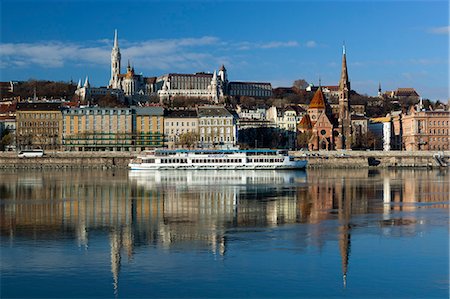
(115, 63)
(344, 138)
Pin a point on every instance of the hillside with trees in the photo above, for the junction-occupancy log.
(48, 89)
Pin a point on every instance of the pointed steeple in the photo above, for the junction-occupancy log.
(214, 76)
(79, 84)
(116, 39)
(86, 82)
(344, 83)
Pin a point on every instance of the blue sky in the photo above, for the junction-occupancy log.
(397, 43)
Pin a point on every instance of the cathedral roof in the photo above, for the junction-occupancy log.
(305, 123)
(318, 100)
(222, 68)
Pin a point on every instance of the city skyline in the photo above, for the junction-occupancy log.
(399, 44)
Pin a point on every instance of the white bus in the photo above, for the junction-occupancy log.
(31, 153)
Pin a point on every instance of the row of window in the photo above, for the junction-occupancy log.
(38, 115)
(208, 130)
(41, 124)
(269, 160)
(433, 123)
(180, 123)
(216, 139)
(438, 131)
(440, 139)
(98, 112)
(215, 122)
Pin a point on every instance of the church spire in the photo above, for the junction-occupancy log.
(116, 39)
(344, 74)
(86, 82)
(345, 128)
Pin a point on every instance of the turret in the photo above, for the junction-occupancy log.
(223, 74)
(86, 82)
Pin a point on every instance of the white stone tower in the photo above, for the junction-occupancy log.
(115, 63)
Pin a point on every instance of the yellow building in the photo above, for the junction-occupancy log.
(87, 129)
(114, 129)
(39, 125)
(148, 124)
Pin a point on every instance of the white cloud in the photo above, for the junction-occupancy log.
(245, 45)
(50, 54)
(162, 54)
(440, 30)
(311, 44)
(272, 45)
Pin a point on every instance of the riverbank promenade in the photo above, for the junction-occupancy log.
(316, 159)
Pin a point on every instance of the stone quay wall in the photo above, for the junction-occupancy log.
(318, 159)
(357, 159)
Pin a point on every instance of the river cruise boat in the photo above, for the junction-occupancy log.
(215, 159)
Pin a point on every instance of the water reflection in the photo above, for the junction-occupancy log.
(206, 210)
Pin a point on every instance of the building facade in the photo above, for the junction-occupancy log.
(86, 92)
(250, 89)
(148, 127)
(39, 125)
(179, 123)
(318, 124)
(426, 130)
(97, 129)
(200, 85)
(217, 127)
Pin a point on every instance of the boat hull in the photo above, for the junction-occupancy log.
(301, 164)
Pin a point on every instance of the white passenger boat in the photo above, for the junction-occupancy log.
(215, 159)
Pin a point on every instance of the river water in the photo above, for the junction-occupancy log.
(225, 234)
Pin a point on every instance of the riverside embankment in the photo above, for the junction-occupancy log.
(357, 159)
(321, 159)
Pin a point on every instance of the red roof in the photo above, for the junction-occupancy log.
(305, 123)
(318, 100)
(6, 109)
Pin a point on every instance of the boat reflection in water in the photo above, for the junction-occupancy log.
(156, 178)
(216, 211)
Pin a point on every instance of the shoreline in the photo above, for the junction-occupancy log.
(317, 159)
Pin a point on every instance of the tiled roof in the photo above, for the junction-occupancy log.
(151, 110)
(213, 112)
(318, 100)
(10, 108)
(181, 113)
(191, 75)
(406, 92)
(305, 123)
(249, 83)
(150, 80)
(38, 106)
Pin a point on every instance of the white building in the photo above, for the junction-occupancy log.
(198, 85)
(86, 92)
(217, 127)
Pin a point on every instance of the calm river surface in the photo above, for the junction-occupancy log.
(225, 234)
